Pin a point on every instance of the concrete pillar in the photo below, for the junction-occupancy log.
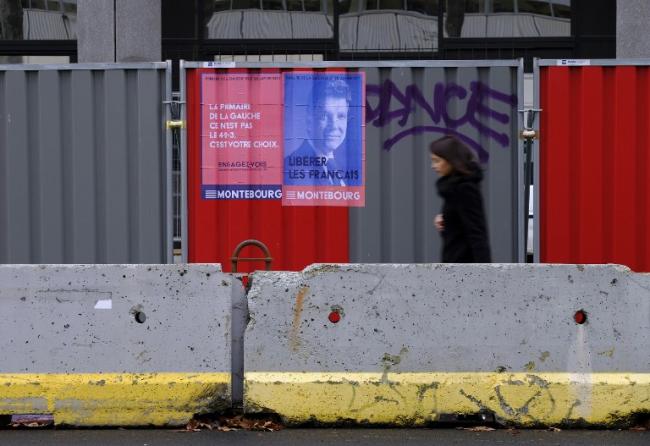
(119, 30)
(95, 31)
(632, 36)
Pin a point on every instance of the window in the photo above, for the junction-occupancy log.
(388, 25)
(38, 19)
(269, 58)
(427, 7)
(507, 18)
(269, 19)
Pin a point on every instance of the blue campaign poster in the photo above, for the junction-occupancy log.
(323, 129)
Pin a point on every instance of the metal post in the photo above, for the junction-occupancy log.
(529, 135)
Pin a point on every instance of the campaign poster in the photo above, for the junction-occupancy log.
(241, 136)
(324, 139)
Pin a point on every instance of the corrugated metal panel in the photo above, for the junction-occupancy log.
(409, 105)
(594, 163)
(401, 198)
(83, 165)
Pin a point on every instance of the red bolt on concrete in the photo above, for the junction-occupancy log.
(334, 317)
(580, 317)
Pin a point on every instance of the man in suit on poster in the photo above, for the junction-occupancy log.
(327, 157)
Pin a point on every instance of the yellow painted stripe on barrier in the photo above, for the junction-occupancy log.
(524, 399)
(115, 399)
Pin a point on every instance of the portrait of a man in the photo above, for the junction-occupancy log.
(323, 129)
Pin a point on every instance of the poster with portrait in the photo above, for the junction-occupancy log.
(324, 139)
(241, 139)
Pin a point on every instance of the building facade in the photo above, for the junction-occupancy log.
(122, 30)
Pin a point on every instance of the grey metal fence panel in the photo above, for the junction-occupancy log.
(478, 103)
(83, 164)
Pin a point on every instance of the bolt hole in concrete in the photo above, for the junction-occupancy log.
(140, 317)
(580, 317)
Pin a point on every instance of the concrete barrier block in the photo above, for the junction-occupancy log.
(107, 345)
(406, 344)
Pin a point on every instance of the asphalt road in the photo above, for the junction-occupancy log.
(308, 437)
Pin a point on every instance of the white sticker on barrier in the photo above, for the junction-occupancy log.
(104, 304)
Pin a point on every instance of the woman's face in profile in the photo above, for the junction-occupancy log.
(440, 165)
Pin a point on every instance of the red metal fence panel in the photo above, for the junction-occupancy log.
(295, 236)
(593, 164)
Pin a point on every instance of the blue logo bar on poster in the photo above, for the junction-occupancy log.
(242, 192)
(324, 140)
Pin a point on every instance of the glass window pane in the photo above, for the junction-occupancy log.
(37, 4)
(423, 7)
(313, 5)
(222, 5)
(350, 6)
(269, 19)
(507, 18)
(388, 25)
(272, 5)
(245, 4)
(38, 19)
(372, 4)
(70, 7)
(562, 11)
(294, 5)
(503, 6)
(391, 4)
(53, 5)
(536, 7)
(472, 6)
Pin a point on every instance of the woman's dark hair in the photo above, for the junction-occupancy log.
(458, 155)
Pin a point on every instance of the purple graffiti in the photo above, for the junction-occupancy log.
(476, 111)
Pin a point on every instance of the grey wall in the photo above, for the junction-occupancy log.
(119, 30)
(632, 36)
(95, 31)
(138, 30)
(83, 164)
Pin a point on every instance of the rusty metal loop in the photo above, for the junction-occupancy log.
(251, 242)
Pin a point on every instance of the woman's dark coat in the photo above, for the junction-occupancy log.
(465, 238)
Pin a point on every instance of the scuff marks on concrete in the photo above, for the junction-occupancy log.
(110, 399)
(294, 338)
(411, 399)
(389, 361)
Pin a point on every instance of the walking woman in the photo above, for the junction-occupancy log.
(462, 222)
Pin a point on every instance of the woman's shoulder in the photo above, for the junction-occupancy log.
(467, 189)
